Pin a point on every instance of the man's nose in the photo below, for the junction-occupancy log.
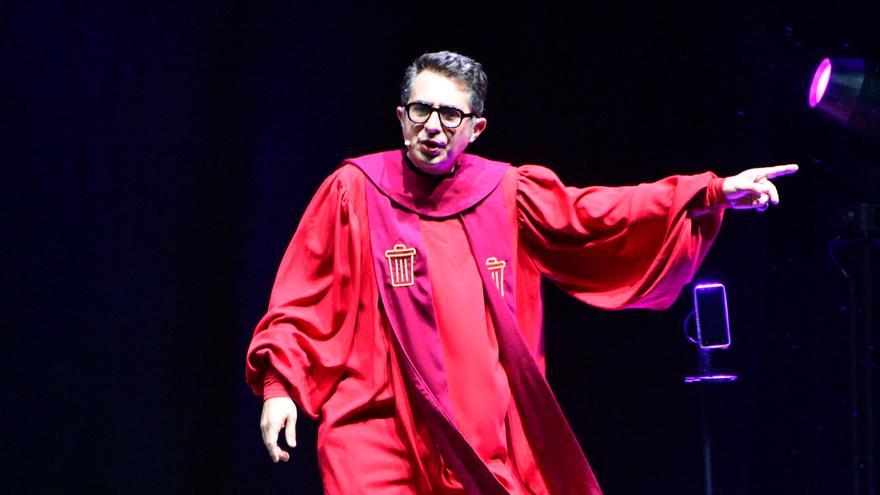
(433, 124)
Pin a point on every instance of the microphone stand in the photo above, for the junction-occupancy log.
(706, 378)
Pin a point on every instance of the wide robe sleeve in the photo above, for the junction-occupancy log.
(301, 345)
(619, 247)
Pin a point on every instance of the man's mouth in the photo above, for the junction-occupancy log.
(432, 147)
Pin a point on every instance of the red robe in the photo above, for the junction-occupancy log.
(325, 340)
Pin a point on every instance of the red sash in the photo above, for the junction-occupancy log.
(396, 196)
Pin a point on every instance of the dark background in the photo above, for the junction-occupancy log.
(157, 158)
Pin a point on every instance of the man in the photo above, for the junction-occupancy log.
(406, 314)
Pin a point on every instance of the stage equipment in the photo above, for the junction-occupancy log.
(713, 329)
(848, 91)
(713, 334)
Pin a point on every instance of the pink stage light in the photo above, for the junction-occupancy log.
(848, 90)
(820, 82)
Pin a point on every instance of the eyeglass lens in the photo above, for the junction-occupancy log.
(420, 113)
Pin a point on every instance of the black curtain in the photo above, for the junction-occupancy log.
(158, 158)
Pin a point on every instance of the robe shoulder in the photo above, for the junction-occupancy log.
(300, 346)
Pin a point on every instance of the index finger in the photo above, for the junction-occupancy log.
(779, 170)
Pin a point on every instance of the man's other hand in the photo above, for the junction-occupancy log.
(278, 412)
(752, 189)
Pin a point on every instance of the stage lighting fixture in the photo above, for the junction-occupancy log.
(848, 91)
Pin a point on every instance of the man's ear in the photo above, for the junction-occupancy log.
(479, 125)
(400, 116)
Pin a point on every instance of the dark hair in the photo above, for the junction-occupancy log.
(452, 65)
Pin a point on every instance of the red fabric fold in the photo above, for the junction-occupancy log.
(617, 247)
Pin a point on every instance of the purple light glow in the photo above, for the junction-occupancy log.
(709, 285)
(820, 82)
(711, 378)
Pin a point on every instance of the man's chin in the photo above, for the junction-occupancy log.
(434, 165)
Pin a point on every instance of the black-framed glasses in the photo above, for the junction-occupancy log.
(450, 117)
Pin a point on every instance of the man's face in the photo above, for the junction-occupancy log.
(433, 147)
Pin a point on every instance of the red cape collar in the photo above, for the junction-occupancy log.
(438, 197)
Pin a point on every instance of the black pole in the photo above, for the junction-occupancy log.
(855, 390)
(864, 218)
(705, 369)
(870, 473)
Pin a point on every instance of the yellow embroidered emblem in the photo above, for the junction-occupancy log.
(496, 269)
(400, 265)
